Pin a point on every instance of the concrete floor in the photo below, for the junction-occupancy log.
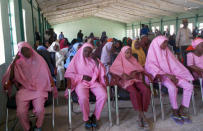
(128, 117)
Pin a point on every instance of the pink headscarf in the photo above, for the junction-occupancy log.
(32, 73)
(196, 42)
(122, 65)
(81, 65)
(161, 61)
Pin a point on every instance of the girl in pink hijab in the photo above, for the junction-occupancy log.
(163, 65)
(127, 73)
(31, 75)
(195, 58)
(87, 74)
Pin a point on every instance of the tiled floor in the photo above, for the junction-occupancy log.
(128, 118)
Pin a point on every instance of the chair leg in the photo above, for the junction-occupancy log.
(200, 81)
(161, 101)
(116, 101)
(193, 101)
(57, 100)
(152, 101)
(6, 119)
(53, 111)
(69, 109)
(109, 105)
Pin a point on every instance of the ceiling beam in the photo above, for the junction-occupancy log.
(196, 1)
(65, 10)
(88, 11)
(65, 19)
(133, 12)
(115, 17)
(147, 10)
(84, 4)
(111, 18)
(149, 4)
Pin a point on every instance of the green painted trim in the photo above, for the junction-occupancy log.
(10, 27)
(150, 24)
(40, 28)
(196, 20)
(176, 25)
(21, 20)
(33, 26)
(133, 31)
(161, 29)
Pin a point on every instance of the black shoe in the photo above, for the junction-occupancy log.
(94, 121)
(31, 128)
(88, 124)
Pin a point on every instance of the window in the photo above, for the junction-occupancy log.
(200, 26)
(129, 33)
(2, 51)
(135, 31)
(12, 27)
(138, 32)
(153, 29)
(24, 24)
(190, 26)
(172, 29)
(165, 28)
(157, 27)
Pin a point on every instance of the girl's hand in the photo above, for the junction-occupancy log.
(159, 77)
(125, 76)
(172, 78)
(87, 78)
(106, 81)
(52, 83)
(7, 85)
(134, 74)
(150, 77)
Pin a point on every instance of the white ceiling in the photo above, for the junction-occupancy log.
(126, 11)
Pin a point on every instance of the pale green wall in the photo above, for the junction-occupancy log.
(91, 24)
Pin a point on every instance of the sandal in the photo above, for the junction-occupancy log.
(183, 112)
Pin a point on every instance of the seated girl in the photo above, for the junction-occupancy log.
(31, 73)
(87, 74)
(163, 65)
(127, 73)
(195, 58)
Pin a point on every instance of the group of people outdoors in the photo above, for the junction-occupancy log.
(91, 64)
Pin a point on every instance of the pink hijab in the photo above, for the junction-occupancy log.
(32, 73)
(161, 61)
(122, 65)
(196, 42)
(81, 65)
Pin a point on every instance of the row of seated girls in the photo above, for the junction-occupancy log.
(30, 73)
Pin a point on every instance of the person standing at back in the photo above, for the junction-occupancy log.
(61, 36)
(80, 36)
(183, 38)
